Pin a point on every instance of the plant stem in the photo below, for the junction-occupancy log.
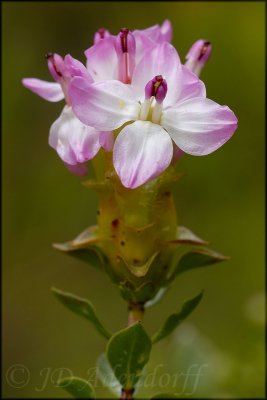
(136, 313)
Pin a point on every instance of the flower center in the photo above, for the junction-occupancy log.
(155, 93)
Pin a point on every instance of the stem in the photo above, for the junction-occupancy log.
(136, 312)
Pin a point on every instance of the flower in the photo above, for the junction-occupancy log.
(165, 103)
(74, 142)
(115, 57)
(198, 55)
(111, 57)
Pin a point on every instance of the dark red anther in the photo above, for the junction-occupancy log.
(156, 87)
(102, 32)
(124, 42)
(49, 55)
(204, 49)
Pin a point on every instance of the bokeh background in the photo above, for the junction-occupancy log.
(221, 198)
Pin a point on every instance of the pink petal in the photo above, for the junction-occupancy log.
(106, 140)
(177, 153)
(198, 55)
(76, 68)
(47, 90)
(190, 86)
(141, 152)
(159, 60)
(74, 142)
(143, 43)
(78, 169)
(166, 31)
(199, 126)
(102, 60)
(157, 33)
(104, 105)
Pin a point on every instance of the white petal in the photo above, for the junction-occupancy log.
(103, 105)
(74, 142)
(199, 126)
(141, 152)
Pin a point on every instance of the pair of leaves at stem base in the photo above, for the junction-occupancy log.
(127, 350)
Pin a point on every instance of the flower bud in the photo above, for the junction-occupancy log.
(56, 66)
(125, 48)
(198, 55)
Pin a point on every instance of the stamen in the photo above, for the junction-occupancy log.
(145, 109)
(55, 65)
(59, 72)
(157, 111)
(123, 36)
(125, 48)
(100, 34)
(156, 87)
(204, 50)
(198, 55)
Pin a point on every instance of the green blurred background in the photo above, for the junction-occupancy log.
(221, 198)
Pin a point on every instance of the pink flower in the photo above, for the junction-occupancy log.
(165, 103)
(115, 57)
(74, 142)
(198, 55)
(158, 34)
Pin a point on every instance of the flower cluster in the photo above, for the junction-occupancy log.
(136, 99)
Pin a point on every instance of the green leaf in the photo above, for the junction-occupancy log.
(107, 376)
(128, 352)
(81, 307)
(198, 259)
(77, 387)
(175, 319)
(84, 247)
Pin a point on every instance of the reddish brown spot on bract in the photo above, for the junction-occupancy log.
(115, 223)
